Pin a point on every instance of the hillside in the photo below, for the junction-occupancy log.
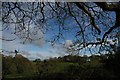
(69, 67)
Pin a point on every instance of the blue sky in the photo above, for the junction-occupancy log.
(42, 49)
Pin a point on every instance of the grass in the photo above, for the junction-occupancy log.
(59, 67)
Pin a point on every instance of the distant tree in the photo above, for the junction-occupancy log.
(16, 52)
(37, 60)
(8, 65)
(23, 65)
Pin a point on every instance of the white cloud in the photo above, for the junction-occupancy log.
(42, 54)
(25, 53)
(65, 48)
(111, 41)
(59, 49)
(38, 40)
(56, 51)
(12, 45)
(68, 43)
(35, 34)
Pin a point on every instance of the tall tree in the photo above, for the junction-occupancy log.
(91, 23)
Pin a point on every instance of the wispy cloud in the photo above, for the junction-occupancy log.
(38, 42)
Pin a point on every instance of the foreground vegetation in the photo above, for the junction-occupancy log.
(71, 67)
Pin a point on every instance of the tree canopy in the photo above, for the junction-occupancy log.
(105, 67)
(90, 24)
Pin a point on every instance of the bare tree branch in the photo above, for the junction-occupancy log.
(80, 5)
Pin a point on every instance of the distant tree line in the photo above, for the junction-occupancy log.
(70, 67)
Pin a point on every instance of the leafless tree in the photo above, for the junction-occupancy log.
(91, 23)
